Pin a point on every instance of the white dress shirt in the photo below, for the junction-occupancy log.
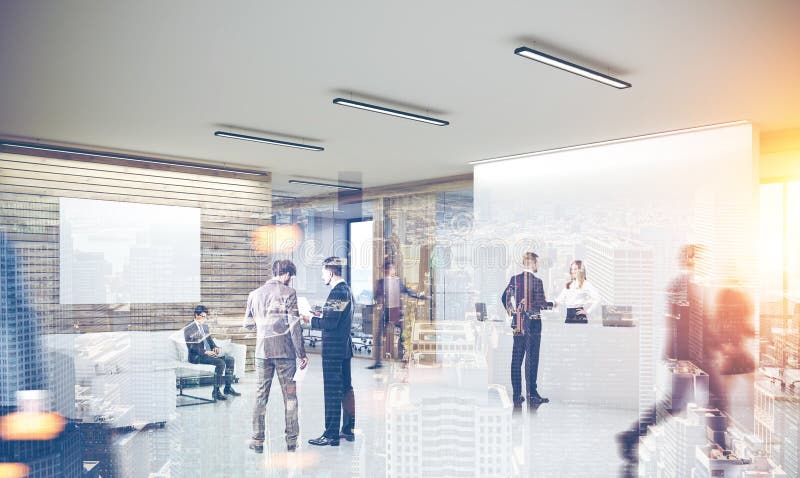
(203, 334)
(574, 297)
(391, 287)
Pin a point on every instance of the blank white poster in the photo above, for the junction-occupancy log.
(120, 252)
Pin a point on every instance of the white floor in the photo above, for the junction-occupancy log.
(557, 440)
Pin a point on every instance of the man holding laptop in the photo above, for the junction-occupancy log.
(335, 321)
(272, 311)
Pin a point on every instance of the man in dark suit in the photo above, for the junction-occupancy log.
(202, 349)
(524, 300)
(388, 293)
(337, 350)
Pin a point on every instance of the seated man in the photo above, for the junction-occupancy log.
(202, 349)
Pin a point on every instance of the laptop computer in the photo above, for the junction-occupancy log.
(618, 316)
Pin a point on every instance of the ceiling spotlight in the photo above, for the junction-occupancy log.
(389, 111)
(570, 67)
(276, 142)
(324, 185)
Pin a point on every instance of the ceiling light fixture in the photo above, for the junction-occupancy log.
(324, 185)
(389, 111)
(276, 142)
(282, 196)
(565, 65)
(129, 158)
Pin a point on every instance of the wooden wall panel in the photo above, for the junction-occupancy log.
(232, 206)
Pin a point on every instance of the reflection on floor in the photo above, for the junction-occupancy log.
(554, 440)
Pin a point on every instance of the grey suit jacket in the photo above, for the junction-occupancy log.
(272, 311)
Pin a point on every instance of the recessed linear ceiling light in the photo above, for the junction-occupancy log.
(245, 137)
(389, 111)
(282, 196)
(128, 158)
(531, 154)
(324, 185)
(570, 67)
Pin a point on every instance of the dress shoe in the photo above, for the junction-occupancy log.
(257, 448)
(324, 441)
(291, 448)
(375, 365)
(518, 400)
(217, 395)
(535, 398)
(532, 407)
(230, 391)
(349, 436)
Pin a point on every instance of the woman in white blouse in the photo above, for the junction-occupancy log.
(579, 295)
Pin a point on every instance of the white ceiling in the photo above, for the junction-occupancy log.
(159, 77)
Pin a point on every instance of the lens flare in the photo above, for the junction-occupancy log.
(298, 461)
(276, 238)
(14, 470)
(31, 426)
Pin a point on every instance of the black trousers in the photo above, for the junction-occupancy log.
(340, 402)
(526, 346)
(391, 320)
(223, 365)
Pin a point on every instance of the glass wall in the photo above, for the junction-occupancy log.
(688, 282)
(779, 276)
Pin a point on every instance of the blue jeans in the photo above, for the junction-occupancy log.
(285, 369)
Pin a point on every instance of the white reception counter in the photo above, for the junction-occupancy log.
(578, 363)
